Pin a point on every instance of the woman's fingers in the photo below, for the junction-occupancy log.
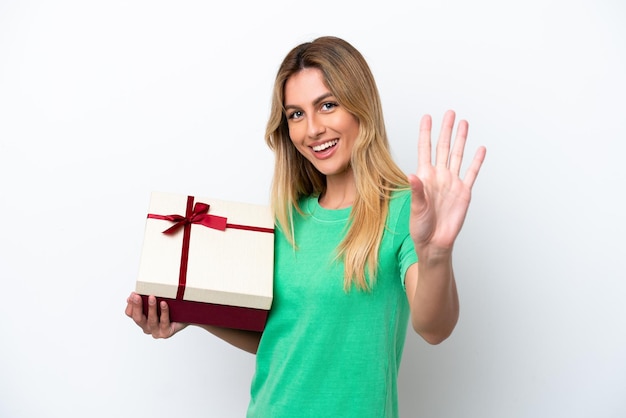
(449, 155)
(134, 310)
(156, 324)
(474, 168)
(153, 318)
(166, 328)
(445, 136)
(418, 197)
(129, 307)
(456, 156)
(423, 142)
(444, 158)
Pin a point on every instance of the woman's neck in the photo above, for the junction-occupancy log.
(340, 191)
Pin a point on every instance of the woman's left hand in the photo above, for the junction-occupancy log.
(440, 197)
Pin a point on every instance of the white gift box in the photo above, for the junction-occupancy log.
(211, 260)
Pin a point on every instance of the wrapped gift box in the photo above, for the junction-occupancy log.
(211, 260)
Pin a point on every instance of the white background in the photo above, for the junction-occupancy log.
(102, 102)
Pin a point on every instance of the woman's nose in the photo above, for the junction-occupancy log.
(315, 126)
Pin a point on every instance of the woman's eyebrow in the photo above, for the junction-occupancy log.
(315, 102)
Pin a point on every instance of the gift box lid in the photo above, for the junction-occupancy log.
(233, 266)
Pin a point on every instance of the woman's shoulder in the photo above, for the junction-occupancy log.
(399, 205)
(399, 197)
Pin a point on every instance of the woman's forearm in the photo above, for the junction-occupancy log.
(434, 298)
(245, 340)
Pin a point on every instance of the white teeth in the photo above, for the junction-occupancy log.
(325, 145)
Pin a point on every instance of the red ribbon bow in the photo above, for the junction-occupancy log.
(199, 215)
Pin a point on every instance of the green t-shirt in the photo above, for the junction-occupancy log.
(326, 352)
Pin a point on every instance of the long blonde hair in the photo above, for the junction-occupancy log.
(350, 80)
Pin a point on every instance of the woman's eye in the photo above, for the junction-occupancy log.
(295, 115)
(329, 106)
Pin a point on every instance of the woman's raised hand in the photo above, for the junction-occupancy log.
(159, 326)
(440, 197)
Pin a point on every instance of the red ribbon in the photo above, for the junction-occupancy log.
(196, 214)
(199, 215)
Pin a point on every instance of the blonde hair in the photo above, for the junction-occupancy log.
(348, 77)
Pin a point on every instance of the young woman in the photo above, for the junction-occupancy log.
(350, 227)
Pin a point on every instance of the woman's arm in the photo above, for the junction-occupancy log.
(245, 340)
(431, 291)
(439, 203)
(161, 327)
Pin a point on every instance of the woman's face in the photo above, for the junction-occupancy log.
(322, 131)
